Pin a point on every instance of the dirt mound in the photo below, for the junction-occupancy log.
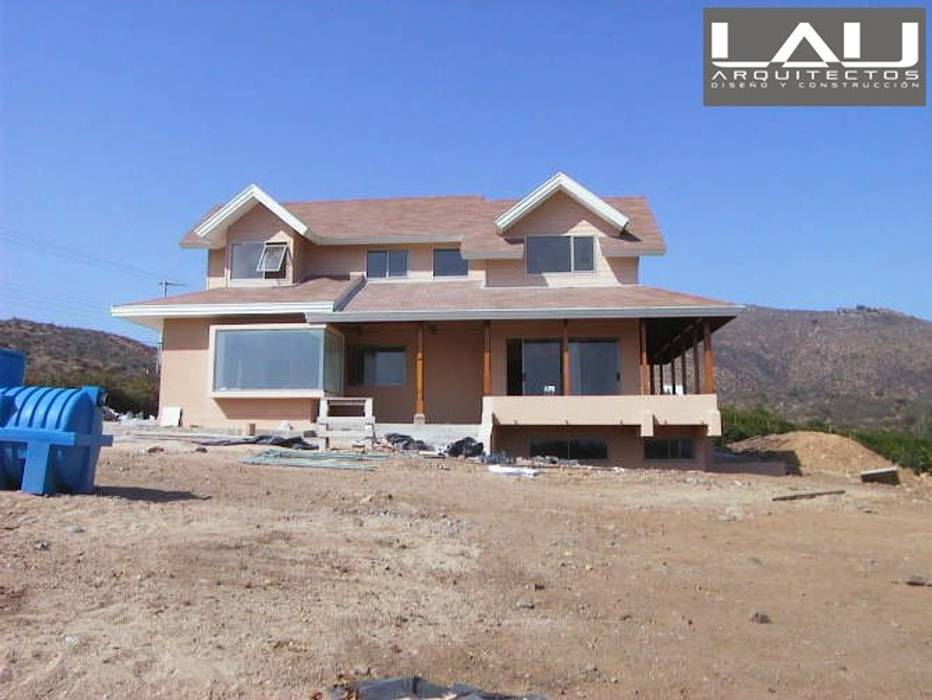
(813, 451)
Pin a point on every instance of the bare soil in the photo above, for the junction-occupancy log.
(191, 575)
(814, 451)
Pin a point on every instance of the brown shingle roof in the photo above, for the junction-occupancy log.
(470, 217)
(453, 297)
(315, 289)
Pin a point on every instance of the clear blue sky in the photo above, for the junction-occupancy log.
(122, 122)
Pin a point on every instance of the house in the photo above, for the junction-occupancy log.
(523, 317)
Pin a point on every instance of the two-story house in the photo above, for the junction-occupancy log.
(525, 316)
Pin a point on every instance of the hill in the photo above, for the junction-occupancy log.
(851, 367)
(63, 356)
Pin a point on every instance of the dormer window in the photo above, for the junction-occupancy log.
(386, 263)
(257, 260)
(559, 254)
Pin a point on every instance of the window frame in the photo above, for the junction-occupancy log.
(352, 349)
(433, 262)
(282, 264)
(271, 393)
(388, 263)
(572, 248)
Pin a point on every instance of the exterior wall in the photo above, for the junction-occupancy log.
(184, 382)
(561, 215)
(452, 371)
(351, 259)
(625, 447)
(626, 330)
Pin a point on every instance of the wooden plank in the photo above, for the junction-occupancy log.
(660, 388)
(709, 365)
(419, 371)
(487, 360)
(683, 372)
(567, 385)
(807, 494)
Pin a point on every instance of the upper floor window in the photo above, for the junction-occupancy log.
(387, 263)
(257, 260)
(449, 263)
(559, 254)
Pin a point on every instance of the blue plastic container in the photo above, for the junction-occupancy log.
(50, 438)
(12, 367)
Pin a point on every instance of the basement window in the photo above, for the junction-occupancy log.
(662, 448)
(570, 449)
(386, 263)
(560, 254)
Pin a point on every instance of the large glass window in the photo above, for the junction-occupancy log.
(387, 263)
(594, 367)
(559, 254)
(662, 448)
(449, 263)
(375, 366)
(542, 368)
(244, 260)
(247, 359)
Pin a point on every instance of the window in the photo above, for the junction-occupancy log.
(560, 254)
(377, 366)
(676, 448)
(272, 259)
(449, 263)
(387, 263)
(257, 260)
(570, 449)
(251, 359)
(594, 367)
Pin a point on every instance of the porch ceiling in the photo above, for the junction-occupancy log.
(669, 338)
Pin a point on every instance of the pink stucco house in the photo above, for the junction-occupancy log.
(523, 317)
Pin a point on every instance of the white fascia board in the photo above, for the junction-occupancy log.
(239, 205)
(524, 314)
(562, 182)
(134, 311)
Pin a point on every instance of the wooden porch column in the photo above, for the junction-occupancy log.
(709, 367)
(653, 382)
(660, 388)
(487, 359)
(567, 384)
(673, 375)
(696, 377)
(419, 376)
(683, 372)
(646, 381)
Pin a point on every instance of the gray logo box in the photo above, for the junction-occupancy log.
(814, 56)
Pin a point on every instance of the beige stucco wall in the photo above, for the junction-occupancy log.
(625, 447)
(185, 383)
(351, 259)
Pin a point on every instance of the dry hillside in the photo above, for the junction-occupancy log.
(864, 367)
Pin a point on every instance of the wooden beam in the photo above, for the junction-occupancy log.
(653, 381)
(487, 359)
(683, 372)
(567, 384)
(660, 388)
(645, 368)
(419, 372)
(709, 365)
(697, 380)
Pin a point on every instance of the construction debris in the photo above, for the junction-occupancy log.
(807, 494)
(502, 470)
(415, 688)
(917, 580)
(293, 442)
(315, 460)
(886, 475)
(467, 447)
(405, 443)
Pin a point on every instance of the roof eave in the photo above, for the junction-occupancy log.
(204, 234)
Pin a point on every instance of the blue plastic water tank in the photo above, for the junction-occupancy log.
(12, 367)
(58, 430)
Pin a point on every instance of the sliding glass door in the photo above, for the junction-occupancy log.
(543, 368)
(594, 367)
(535, 367)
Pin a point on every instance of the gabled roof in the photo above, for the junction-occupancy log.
(467, 219)
(561, 182)
(208, 233)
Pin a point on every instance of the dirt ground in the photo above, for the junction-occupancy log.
(814, 452)
(191, 575)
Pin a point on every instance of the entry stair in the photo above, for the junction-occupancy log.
(345, 422)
